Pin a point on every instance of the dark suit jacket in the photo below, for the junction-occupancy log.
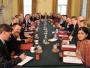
(14, 45)
(24, 22)
(5, 60)
(74, 34)
(64, 24)
(75, 29)
(69, 28)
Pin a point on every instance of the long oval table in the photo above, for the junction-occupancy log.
(48, 58)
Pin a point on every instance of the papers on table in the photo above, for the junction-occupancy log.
(70, 56)
(28, 32)
(69, 59)
(52, 40)
(28, 58)
(69, 53)
(69, 46)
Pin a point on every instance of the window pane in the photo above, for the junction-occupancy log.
(62, 6)
(63, 10)
(58, 9)
(27, 6)
(62, 2)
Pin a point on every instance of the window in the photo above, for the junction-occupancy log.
(27, 6)
(62, 7)
(84, 7)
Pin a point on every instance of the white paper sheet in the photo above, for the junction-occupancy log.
(69, 53)
(52, 40)
(69, 59)
(28, 58)
(69, 46)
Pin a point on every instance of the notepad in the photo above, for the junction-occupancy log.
(69, 59)
(28, 58)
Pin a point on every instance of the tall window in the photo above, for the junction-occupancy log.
(27, 6)
(62, 7)
(84, 7)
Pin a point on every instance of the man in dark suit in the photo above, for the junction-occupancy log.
(5, 59)
(14, 47)
(73, 35)
(69, 26)
(27, 21)
(64, 23)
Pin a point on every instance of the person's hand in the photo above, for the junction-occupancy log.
(27, 35)
(22, 56)
(28, 40)
(70, 38)
(12, 54)
(15, 57)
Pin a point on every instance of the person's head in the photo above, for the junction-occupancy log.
(82, 23)
(74, 20)
(16, 28)
(5, 31)
(27, 16)
(68, 20)
(21, 17)
(15, 20)
(64, 17)
(80, 18)
(83, 33)
(17, 16)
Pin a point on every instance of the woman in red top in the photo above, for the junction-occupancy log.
(83, 45)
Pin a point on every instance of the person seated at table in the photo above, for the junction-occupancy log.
(64, 24)
(80, 18)
(69, 26)
(21, 18)
(83, 45)
(15, 41)
(73, 35)
(27, 21)
(82, 23)
(5, 59)
(14, 20)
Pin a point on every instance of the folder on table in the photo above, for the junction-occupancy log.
(69, 59)
(69, 47)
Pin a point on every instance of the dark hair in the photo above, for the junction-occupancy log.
(5, 27)
(15, 24)
(27, 15)
(65, 15)
(74, 17)
(17, 16)
(86, 31)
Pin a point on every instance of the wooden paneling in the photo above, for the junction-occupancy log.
(88, 8)
(88, 12)
(69, 8)
(76, 7)
(54, 6)
(20, 6)
(34, 6)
